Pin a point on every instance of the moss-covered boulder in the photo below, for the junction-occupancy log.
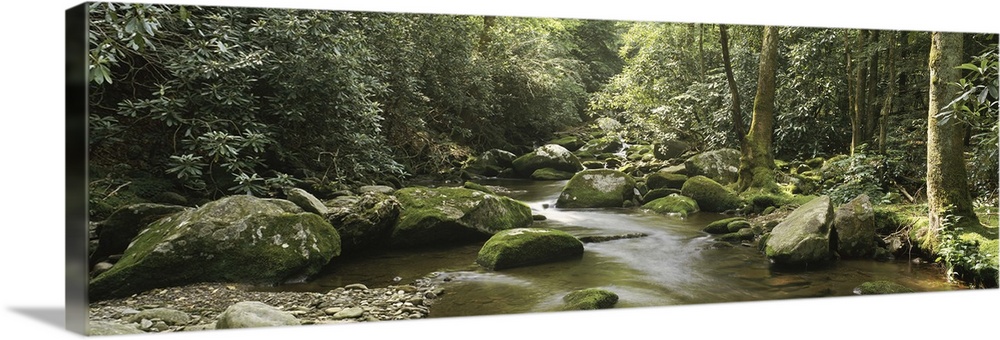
(491, 163)
(550, 174)
(453, 215)
(710, 195)
(676, 204)
(603, 145)
(803, 238)
(670, 149)
(479, 187)
(722, 226)
(528, 246)
(116, 232)
(571, 143)
(547, 156)
(663, 179)
(741, 235)
(597, 188)
(855, 225)
(720, 165)
(234, 239)
(249, 314)
(658, 193)
(591, 298)
(880, 287)
(363, 222)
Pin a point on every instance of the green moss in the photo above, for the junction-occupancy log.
(737, 225)
(591, 298)
(571, 143)
(478, 187)
(550, 174)
(673, 205)
(660, 179)
(710, 195)
(453, 215)
(597, 188)
(658, 193)
(721, 226)
(235, 239)
(881, 287)
(528, 246)
(738, 236)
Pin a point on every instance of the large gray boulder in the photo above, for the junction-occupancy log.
(720, 165)
(306, 201)
(803, 238)
(855, 225)
(117, 231)
(234, 239)
(249, 314)
(491, 162)
(597, 188)
(547, 156)
(453, 215)
(364, 221)
(528, 246)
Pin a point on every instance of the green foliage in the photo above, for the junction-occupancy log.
(866, 172)
(968, 256)
(814, 89)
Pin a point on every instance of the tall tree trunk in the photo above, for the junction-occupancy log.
(947, 190)
(871, 92)
(851, 99)
(485, 37)
(891, 80)
(857, 111)
(757, 160)
(735, 108)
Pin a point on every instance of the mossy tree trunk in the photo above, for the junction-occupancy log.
(947, 190)
(757, 160)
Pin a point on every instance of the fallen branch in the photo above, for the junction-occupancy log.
(116, 190)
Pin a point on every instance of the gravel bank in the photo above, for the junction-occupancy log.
(205, 301)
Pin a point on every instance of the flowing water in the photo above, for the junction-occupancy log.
(676, 264)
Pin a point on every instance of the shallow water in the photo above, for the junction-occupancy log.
(676, 264)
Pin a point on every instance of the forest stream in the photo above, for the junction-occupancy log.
(676, 264)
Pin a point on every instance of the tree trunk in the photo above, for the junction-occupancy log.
(860, 74)
(757, 160)
(485, 37)
(947, 190)
(891, 80)
(735, 108)
(871, 93)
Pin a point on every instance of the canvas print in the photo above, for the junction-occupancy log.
(264, 167)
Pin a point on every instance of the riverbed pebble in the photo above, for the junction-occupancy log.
(205, 301)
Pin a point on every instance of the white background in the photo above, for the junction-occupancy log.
(33, 132)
